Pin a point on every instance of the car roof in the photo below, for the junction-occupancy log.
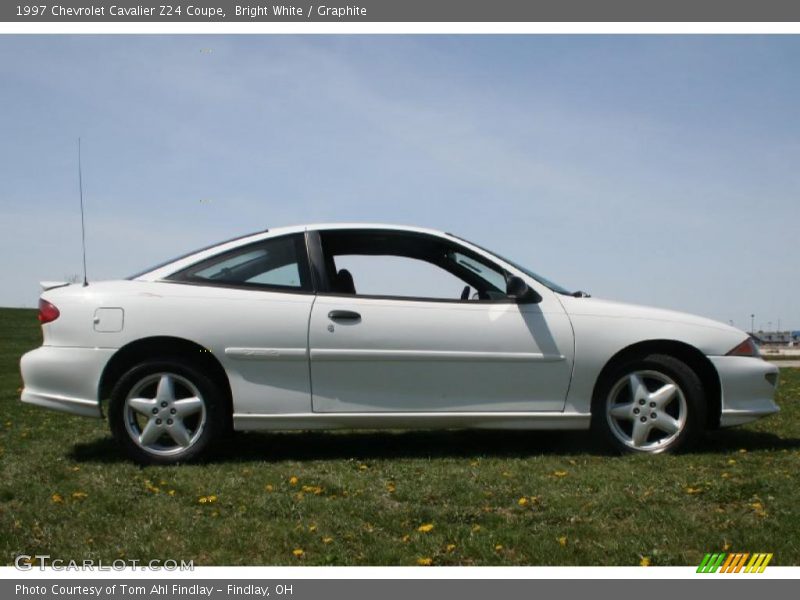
(175, 264)
(354, 225)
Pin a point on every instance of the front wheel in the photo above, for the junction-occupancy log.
(651, 405)
(164, 412)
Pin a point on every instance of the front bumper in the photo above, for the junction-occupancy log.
(65, 379)
(748, 388)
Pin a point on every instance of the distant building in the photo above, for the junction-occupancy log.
(778, 338)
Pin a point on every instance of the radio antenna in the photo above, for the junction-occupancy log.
(83, 224)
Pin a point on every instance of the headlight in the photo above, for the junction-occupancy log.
(746, 348)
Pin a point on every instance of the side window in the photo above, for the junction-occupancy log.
(495, 279)
(408, 265)
(383, 275)
(279, 263)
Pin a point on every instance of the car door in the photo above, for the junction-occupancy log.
(393, 353)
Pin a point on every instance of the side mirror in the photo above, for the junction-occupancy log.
(517, 289)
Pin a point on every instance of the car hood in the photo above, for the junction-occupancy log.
(610, 308)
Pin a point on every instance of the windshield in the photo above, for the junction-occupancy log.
(543, 280)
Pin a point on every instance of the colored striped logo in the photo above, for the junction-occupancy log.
(735, 562)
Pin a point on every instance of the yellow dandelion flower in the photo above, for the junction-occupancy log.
(293, 480)
(269, 487)
(498, 547)
(79, 495)
(645, 562)
(692, 490)
(327, 540)
(731, 461)
(559, 473)
(298, 552)
(312, 528)
(522, 501)
(212, 499)
(476, 528)
(390, 487)
(203, 500)
(425, 561)
(425, 528)
(363, 467)
(171, 492)
(562, 540)
(405, 538)
(450, 547)
(57, 499)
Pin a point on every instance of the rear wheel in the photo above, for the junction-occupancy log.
(651, 405)
(165, 411)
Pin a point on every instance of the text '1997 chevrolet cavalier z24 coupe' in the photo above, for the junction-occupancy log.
(379, 326)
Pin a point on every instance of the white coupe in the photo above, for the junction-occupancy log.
(379, 326)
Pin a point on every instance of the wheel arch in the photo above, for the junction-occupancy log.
(164, 347)
(684, 352)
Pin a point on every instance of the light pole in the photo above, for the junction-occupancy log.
(752, 321)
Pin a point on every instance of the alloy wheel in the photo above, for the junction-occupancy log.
(646, 411)
(165, 414)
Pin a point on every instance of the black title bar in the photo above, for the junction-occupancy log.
(92, 11)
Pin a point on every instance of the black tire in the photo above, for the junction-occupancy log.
(208, 426)
(652, 370)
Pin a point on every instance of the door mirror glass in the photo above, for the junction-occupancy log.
(519, 290)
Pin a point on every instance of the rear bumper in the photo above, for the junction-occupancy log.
(64, 379)
(748, 388)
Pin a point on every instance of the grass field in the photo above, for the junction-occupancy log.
(441, 498)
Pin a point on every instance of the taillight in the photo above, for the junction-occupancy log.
(746, 348)
(47, 311)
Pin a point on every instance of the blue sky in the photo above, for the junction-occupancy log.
(660, 170)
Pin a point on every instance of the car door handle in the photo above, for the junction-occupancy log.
(344, 315)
